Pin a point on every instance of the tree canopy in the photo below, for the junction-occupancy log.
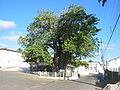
(62, 39)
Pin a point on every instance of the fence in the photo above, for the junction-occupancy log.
(112, 77)
(109, 75)
(55, 75)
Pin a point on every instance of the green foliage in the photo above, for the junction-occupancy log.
(76, 34)
(67, 38)
(23, 41)
(77, 31)
(19, 50)
(90, 61)
(85, 64)
(37, 54)
(76, 63)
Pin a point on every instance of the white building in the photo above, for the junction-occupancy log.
(114, 64)
(12, 60)
(94, 68)
(82, 70)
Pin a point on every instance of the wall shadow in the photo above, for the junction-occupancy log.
(99, 80)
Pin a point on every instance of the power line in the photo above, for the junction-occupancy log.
(112, 33)
(113, 11)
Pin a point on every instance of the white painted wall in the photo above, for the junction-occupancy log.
(114, 64)
(94, 68)
(82, 70)
(9, 59)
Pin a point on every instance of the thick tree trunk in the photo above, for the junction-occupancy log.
(61, 58)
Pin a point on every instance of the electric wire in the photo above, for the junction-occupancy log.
(112, 33)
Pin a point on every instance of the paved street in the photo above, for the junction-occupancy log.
(22, 81)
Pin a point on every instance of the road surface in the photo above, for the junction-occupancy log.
(23, 81)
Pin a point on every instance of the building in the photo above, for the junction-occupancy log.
(12, 60)
(82, 71)
(114, 64)
(94, 68)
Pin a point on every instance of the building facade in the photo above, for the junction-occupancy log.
(94, 68)
(10, 59)
(114, 64)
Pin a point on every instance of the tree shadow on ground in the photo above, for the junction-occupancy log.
(98, 80)
(84, 82)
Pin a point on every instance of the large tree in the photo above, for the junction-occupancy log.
(67, 38)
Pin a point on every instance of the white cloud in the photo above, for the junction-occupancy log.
(110, 46)
(6, 25)
(2, 45)
(12, 32)
(16, 33)
(11, 38)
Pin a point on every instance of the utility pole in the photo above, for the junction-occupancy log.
(102, 59)
(102, 55)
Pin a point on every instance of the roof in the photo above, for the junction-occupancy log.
(113, 59)
(8, 49)
(94, 62)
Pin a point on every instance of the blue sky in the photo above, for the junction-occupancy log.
(16, 15)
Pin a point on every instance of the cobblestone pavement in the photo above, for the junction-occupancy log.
(22, 81)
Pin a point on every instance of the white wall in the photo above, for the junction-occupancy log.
(95, 67)
(114, 64)
(82, 70)
(12, 59)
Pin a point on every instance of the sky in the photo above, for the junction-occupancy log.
(16, 15)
